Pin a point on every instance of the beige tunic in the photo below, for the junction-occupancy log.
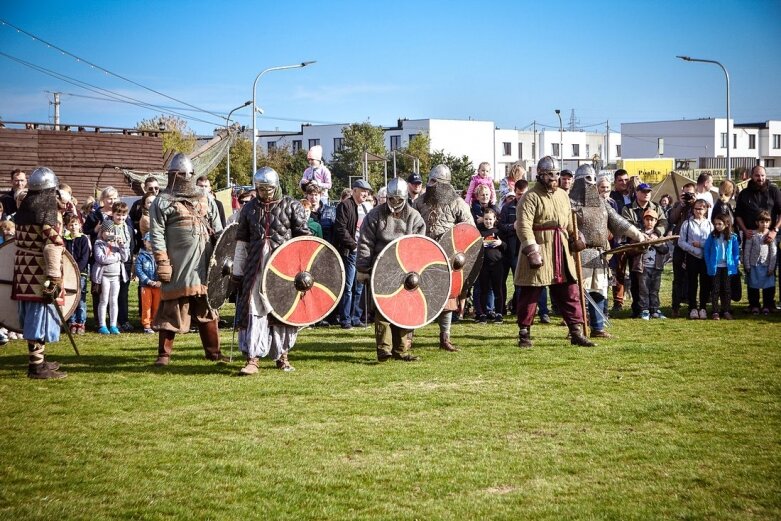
(541, 209)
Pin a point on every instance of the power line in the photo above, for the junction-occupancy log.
(95, 66)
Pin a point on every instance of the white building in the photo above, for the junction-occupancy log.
(705, 141)
(478, 140)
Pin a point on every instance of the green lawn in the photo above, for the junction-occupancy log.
(670, 419)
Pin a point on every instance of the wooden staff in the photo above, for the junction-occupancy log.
(579, 268)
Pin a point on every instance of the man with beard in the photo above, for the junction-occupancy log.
(596, 220)
(183, 223)
(545, 230)
(382, 225)
(759, 195)
(442, 208)
(37, 281)
(265, 223)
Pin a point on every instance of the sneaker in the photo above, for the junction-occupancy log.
(766, 312)
(162, 361)
(498, 319)
(149, 331)
(13, 336)
(250, 368)
(703, 314)
(127, 326)
(482, 319)
(359, 324)
(114, 330)
(347, 326)
(82, 329)
(755, 311)
(600, 334)
(726, 315)
(103, 330)
(715, 316)
(694, 315)
(617, 308)
(544, 319)
(645, 315)
(658, 315)
(3, 339)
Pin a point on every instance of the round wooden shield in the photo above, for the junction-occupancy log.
(303, 281)
(463, 246)
(411, 281)
(220, 266)
(9, 314)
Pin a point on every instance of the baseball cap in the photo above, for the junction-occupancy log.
(644, 187)
(650, 213)
(566, 172)
(360, 183)
(414, 178)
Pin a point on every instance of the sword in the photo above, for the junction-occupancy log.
(62, 321)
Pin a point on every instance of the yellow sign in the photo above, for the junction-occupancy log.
(651, 171)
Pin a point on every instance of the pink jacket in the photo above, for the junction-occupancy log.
(474, 183)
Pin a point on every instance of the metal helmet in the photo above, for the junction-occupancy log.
(42, 178)
(266, 181)
(182, 165)
(440, 173)
(548, 165)
(587, 172)
(398, 192)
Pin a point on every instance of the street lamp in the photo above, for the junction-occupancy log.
(227, 124)
(561, 140)
(726, 75)
(254, 107)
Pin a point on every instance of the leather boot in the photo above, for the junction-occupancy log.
(577, 338)
(444, 343)
(37, 367)
(250, 368)
(403, 349)
(524, 337)
(210, 338)
(284, 364)
(165, 345)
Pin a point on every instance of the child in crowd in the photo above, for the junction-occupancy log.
(479, 207)
(693, 234)
(146, 271)
(146, 203)
(123, 229)
(107, 271)
(317, 172)
(314, 226)
(492, 270)
(507, 184)
(481, 178)
(80, 248)
(759, 260)
(650, 265)
(722, 258)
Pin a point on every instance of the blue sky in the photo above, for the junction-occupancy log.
(511, 62)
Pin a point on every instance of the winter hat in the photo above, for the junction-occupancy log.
(107, 225)
(316, 153)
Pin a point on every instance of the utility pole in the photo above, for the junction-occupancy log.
(607, 143)
(56, 110)
(534, 145)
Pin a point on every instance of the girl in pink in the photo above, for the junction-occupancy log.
(317, 172)
(482, 177)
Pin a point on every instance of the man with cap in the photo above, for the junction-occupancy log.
(317, 171)
(37, 279)
(442, 208)
(545, 230)
(634, 214)
(346, 230)
(183, 223)
(386, 222)
(414, 187)
(565, 180)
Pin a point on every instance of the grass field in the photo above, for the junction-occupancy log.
(670, 419)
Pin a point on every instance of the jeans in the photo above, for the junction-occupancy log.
(650, 281)
(595, 319)
(358, 308)
(542, 302)
(80, 315)
(346, 304)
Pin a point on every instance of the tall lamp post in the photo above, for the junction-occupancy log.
(227, 124)
(726, 75)
(561, 140)
(254, 106)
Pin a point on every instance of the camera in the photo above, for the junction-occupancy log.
(688, 197)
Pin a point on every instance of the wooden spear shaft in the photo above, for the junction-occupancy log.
(579, 268)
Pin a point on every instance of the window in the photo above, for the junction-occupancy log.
(599, 151)
(395, 142)
(770, 163)
(618, 150)
(507, 148)
(411, 136)
(520, 150)
(313, 142)
(588, 151)
(776, 141)
(575, 150)
(296, 145)
(752, 141)
(734, 141)
(272, 145)
(723, 140)
(555, 149)
(338, 144)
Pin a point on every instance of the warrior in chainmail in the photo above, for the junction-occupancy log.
(384, 223)
(442, 208)
(596, 221)
(265, 223)
(37, 281)
(183, 224)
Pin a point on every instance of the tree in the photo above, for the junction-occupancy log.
(418, 148)
(177, 136)
(460, 168)
(241, 166)
(348, 161)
